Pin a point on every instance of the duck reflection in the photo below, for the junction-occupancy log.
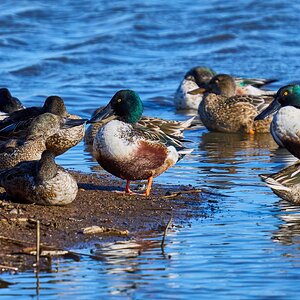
(221, 147)
(128, 260)
(286, 185)
(288, 232)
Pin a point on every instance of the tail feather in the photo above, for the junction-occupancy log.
(275, 185)
(184, 151)
(257, 82)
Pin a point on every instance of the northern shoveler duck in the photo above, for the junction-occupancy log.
(193, 79)
(30, 143)
(41, 181)
(224, 111)
(169, 127)
(59, 143)
(285, 126)
(285, 183)
(129, 150)
(8, 103)
(199, 76)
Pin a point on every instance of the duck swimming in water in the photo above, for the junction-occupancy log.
(223, 111)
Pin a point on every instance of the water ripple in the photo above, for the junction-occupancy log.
(248, 246)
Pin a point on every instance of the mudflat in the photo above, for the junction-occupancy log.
(98, 214)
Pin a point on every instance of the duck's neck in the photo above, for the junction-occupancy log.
(46, 168)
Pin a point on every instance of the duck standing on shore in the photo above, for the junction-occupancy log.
(129, 150)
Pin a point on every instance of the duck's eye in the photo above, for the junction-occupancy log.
(285, 93)
(119, 100)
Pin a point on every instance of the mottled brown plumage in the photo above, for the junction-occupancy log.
(30, 145)
(39, 181)
(224, 111)
(63, 140)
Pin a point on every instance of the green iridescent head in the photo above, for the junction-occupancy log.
(125, 105)
(201, 75)
(289, 95)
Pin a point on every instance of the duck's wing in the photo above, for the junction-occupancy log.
(23, 115)
(20, 171)
(260, 102)
(158, 136)
(256, 82)
(16, 129)
(169, 127)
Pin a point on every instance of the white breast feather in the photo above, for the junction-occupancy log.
(286, 123)
(111, 140)
(63, 188)
(183, 100)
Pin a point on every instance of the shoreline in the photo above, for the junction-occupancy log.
(116, 215)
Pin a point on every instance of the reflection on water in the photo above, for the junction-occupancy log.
(288, 232)
(222, 147)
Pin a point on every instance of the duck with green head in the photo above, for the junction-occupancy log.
(129, 150)
(223, 111)
(285, 126)
(170, 127)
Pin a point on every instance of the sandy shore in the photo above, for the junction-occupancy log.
(118, 216)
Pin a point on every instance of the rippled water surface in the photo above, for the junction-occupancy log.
(85, 51)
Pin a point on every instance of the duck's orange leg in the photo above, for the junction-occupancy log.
(150, 180)
(127, 189)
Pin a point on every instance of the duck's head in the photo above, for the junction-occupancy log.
(201, 75)
(55, 105)
(221, 84)
(125, 106)
(45, 125)
(8, 103)
(288, 95)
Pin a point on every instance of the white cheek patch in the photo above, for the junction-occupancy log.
(286, 123)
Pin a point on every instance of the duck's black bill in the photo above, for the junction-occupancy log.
(103, 114)
(197, 91)
(69, 123)
(272, 108)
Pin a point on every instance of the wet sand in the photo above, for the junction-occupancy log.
(118, 215)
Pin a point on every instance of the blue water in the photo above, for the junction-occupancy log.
(84, 51)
